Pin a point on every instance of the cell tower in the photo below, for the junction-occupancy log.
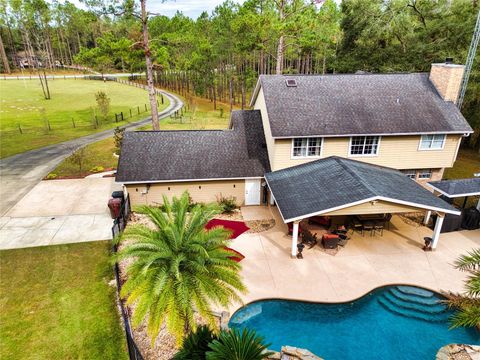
(470, 57)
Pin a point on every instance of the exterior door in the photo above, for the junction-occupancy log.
(252, 192)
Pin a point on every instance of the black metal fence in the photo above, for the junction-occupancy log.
(117, 229)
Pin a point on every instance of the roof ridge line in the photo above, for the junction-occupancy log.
(340, 160)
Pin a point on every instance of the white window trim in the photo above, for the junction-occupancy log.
(307, 157)
(364, 155)
(432, 149)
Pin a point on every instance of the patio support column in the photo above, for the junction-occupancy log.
(295, 238)
(436, 231)
(426, 219)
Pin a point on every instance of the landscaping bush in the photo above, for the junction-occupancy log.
(118, 138)
(195, 345)
(97, 169)
(228, 204)
(239, 345)
(51, 176)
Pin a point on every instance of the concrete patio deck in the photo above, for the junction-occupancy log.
(364, 264)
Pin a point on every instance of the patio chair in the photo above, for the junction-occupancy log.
(290, 228)
(369, 226)
(379, 226)
(309, 238)
(387, 219)
(357, 225)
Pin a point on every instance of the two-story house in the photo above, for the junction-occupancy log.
(313, 144)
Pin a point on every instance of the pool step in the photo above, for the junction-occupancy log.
(410, 290)
(414, 303)
(437, 308)
(413, 299)
(440, 317)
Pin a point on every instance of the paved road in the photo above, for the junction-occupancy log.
(79, 76)
(21, 172)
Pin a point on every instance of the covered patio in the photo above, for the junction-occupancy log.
(364, 264)
(347, 191)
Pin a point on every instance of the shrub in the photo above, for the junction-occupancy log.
(118, 138)
(51, 176)
(97, 169)
(103, 103)
(228, 204)
(233, 344)
(195, 345)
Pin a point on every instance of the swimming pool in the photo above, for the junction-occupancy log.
(393, 322)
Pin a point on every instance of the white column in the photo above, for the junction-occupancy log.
(295, 238)
(478, 205)
(426, 219)
(436, 231)
(272, 199)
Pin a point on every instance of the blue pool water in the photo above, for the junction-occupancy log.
(394, 322)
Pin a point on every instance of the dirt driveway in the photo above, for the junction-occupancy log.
(59, 212)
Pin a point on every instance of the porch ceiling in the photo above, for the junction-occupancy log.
(328, 185)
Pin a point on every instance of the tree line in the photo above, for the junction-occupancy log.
(220, 55)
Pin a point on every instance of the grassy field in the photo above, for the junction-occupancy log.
(56, 304)
(28, 121)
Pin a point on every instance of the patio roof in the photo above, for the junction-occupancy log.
(457, 188)
(327, 185)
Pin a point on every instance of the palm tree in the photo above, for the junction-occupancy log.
(236, 345)
(178, 268)
(468, 304)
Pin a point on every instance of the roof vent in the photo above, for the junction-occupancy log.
(291, 82)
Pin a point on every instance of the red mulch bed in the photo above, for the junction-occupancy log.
(236, 227)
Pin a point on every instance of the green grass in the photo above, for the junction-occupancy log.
(198, 114)
(467, 164)
(56, 304)
(72, 103)
(99, 153)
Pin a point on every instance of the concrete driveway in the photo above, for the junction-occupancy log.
(59, 212)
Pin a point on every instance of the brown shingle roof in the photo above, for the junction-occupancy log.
(360, 104)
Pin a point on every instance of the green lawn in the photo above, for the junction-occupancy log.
(97, 154)
(55, 303)
(467, 164)
(43, 122)
(197, 114)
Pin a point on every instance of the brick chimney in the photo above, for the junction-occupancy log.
(447, 78)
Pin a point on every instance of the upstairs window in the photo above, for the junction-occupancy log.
(432, 142)
(307, 147)
(364, 145)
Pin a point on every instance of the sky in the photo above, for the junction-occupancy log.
(191, 8)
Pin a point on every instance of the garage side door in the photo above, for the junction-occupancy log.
(252, 192)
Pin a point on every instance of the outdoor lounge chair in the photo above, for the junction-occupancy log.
(309, 238)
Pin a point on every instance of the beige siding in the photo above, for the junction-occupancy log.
(378, 207)
(200, 191)
(399, 152)
(260, 105)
